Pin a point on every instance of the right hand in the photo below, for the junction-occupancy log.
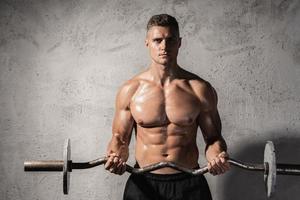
(115, 164)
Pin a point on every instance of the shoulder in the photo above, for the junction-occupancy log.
(127, 90)
(130, 86)
(200, 86)
(203, 88)
(204, 91)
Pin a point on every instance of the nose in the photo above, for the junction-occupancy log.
(163, 45)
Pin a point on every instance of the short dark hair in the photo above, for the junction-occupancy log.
(163, 20)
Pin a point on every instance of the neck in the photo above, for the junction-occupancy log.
(163, 74)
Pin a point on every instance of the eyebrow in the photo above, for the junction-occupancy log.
(160, 37)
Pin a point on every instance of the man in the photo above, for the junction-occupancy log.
(165, 105)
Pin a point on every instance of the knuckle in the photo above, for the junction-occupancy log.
(110, 159)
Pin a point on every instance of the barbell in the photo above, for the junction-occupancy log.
(269, 167)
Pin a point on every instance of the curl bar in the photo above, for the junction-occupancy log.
(270, 168)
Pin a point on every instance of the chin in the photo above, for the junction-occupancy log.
(164, 62)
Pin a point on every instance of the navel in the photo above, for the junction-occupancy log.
(165, 155)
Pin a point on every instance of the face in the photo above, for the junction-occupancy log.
(163, 44)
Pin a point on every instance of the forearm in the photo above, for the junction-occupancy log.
(214, 148)
(118, 145)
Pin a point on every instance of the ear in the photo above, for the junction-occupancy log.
(179, 42)
(146, 42)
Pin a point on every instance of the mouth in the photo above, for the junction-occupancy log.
(164, 55)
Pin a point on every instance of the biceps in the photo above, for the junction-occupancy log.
(123, 124)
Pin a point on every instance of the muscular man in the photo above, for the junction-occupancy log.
(165, 105)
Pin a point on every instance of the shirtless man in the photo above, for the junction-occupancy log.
(165, 105)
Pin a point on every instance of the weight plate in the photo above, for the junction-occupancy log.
(270, 173)
(66, 167)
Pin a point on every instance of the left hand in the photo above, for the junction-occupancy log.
(218, 165)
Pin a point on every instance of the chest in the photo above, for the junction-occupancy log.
(155, 106)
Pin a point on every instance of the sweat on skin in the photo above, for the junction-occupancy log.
(166, 104)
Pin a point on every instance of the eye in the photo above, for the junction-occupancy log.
(157, 40)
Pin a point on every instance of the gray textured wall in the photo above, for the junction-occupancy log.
(61, 63)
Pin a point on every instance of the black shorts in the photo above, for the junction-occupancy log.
(179, 186)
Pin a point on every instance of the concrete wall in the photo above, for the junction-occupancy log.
(61, 63)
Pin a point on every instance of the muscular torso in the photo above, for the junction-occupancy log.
(166, 104)
(166, 119)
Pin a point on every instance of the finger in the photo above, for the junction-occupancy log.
(216, 166)
(119, 167)
(222, 164)
(114, 167)
(225, 164)
(223, 154)
(210, 167)
(111, 155)
(109, 158)
(225, 161)
(109, 163)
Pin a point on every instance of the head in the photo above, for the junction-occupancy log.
(163, 40)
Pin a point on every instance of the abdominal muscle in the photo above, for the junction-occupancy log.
(167, 143)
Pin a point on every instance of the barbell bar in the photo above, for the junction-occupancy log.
(270, 168)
